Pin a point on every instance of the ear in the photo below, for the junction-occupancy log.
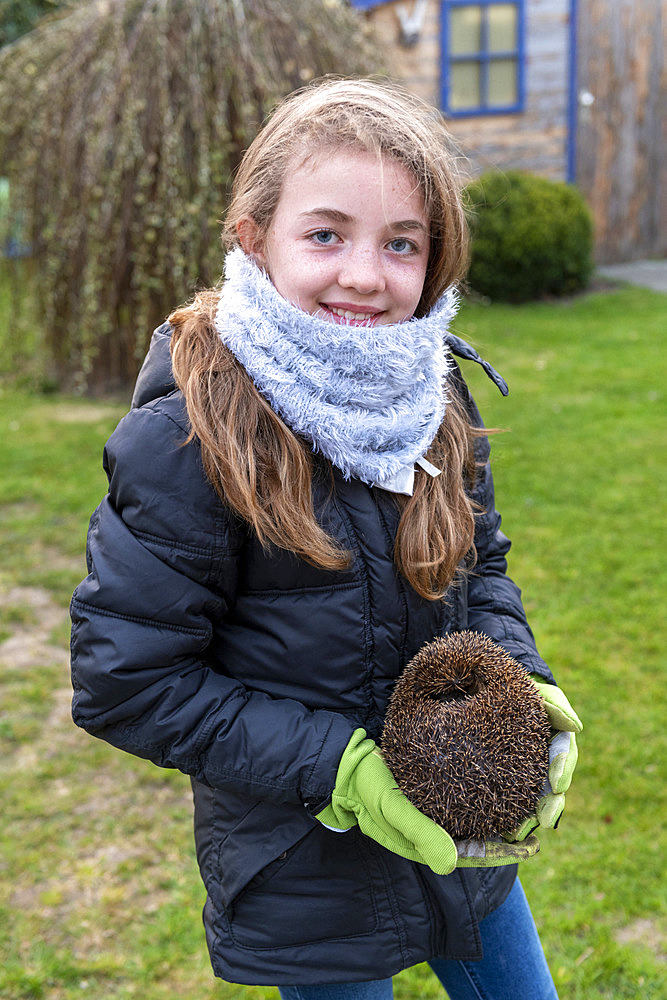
(250, 239)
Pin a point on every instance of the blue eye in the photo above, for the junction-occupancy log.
(402, 245)
(325, 237)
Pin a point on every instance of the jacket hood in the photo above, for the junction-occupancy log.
(155, 378)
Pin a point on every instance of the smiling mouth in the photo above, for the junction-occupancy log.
(339, 315)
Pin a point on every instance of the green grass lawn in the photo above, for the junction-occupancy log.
(99, 894)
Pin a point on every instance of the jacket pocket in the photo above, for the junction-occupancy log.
(321, 888)
(260, 836)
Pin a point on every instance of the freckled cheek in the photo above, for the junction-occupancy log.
(408, 286)
(299, 277)
(315, 276)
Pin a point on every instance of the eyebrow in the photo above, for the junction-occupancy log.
(410, 224)
(334, 215)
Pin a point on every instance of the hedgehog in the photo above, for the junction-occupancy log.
(466, 736)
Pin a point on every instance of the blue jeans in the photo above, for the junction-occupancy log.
(513, 966)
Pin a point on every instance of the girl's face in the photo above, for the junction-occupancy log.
(349, 240)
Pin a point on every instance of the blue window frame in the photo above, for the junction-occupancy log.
(482, 57)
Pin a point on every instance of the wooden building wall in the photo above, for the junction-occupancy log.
(418, 66)
(621, 136)
(620, 139)
(534, 139)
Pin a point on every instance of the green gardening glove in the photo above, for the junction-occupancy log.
(563, 756)
(366, 795)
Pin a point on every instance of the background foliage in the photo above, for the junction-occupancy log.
(531, 237)
(121, 123)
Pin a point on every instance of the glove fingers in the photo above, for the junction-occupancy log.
(563, 756)
(494, 853)
(433, 844)
(516, 836)
(562, 720)
(560, 712)
(393, 840)
(396, 825)
(549, 810)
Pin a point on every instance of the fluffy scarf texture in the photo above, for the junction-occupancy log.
(369, 398)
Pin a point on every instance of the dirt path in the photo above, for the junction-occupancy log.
(29, 647)
(30, 642)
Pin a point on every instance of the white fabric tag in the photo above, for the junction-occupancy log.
(429, 467)
(402, 481)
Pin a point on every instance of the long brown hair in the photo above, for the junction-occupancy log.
(258, 466)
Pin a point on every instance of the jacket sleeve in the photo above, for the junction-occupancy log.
(494, 600)
(163, 560)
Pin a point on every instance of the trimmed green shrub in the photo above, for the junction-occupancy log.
(531, 237)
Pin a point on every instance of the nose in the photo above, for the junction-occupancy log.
(361, 270)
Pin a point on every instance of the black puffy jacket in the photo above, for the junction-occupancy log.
(249, 670)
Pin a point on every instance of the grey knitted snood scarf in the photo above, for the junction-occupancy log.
(369, 398)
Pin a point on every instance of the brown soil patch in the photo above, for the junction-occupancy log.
(644, 931)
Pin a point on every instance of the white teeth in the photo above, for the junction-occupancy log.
(346, 314)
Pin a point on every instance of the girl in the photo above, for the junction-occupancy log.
(299, 499)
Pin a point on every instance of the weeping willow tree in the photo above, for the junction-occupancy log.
(121, 123)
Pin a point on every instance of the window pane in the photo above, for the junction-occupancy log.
(465, 91)
(465, 24)
(503, 88)
(503, 27)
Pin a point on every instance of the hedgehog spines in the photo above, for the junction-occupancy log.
(466, 736)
